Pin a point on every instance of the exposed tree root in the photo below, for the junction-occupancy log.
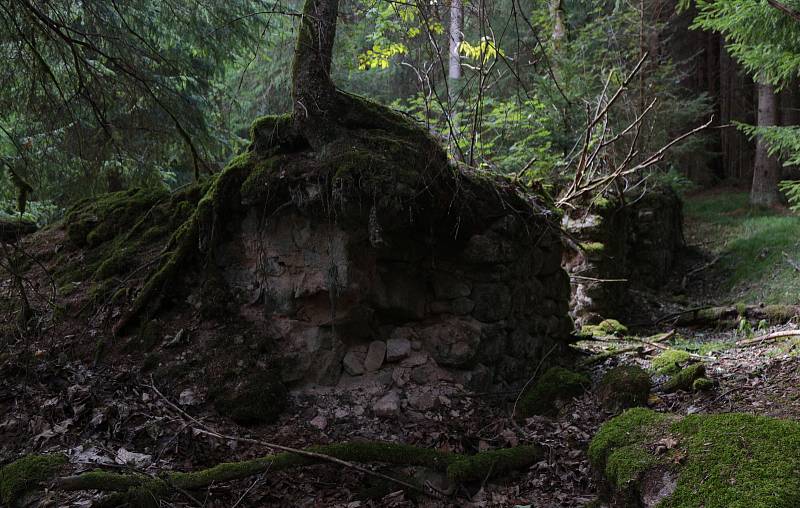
(140, 490)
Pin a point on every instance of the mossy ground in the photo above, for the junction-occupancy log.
(725, 460)
(752, 245)
(25, 474)
(556, 384)
(669, 361)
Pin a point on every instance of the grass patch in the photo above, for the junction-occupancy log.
(752, 244)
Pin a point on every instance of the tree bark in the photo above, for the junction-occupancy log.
(559, 30)
(313, 91)
(456, 37)
(766, 173)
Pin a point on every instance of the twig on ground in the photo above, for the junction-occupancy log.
(769, 337)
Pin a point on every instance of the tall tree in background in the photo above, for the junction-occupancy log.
(766, 171)
(764, 36)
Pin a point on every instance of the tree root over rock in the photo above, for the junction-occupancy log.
(139, 490)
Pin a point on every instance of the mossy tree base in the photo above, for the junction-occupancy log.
(716, 461)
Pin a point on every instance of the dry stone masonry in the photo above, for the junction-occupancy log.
(479, 311)
(636, 241)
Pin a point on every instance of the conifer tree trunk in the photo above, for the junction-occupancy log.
(766, 173)
(313, 91)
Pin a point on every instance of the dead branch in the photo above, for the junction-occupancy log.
(769, 337)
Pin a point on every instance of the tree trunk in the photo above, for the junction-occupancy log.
(313, 91)
(559, 30)
(456, 37)
(766, 172)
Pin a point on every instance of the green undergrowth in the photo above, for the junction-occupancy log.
(556, 384)
(25, 474)
(727, 460)
(753, 245)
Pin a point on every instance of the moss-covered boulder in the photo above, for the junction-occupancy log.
(714, 461)
(25, 474)
(251, 399)
(605, 328)
(685, 378)
(624, 387)
(670, 361)
(556, 385)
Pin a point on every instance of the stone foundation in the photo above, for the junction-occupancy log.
(477, 309)
(636, 241)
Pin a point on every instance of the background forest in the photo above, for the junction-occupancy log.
(100, 96)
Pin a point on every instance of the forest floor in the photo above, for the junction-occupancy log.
(112, 415)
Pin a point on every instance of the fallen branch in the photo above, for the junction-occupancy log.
(203, 429)
(135, 487)
(769, 337)
(606, 355)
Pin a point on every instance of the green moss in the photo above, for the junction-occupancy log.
(98, 219)
(141, 491)
(493, 463)
(712, 314)
(624, 387)
(25, 474)
(702, 384)
(738, 460)
(257, 183)
(727, 460)
(271, 130)
(557, 383)
(632, 426)
(670, 361)
(593, 248)
(603, 203)
(779, 313)
(627, 463)
(117, 262)
(252, 399)
(684, 379)
(605, 328)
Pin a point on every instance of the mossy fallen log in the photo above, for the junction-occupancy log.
(727, 460)
(140, 490)
(729, 316)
